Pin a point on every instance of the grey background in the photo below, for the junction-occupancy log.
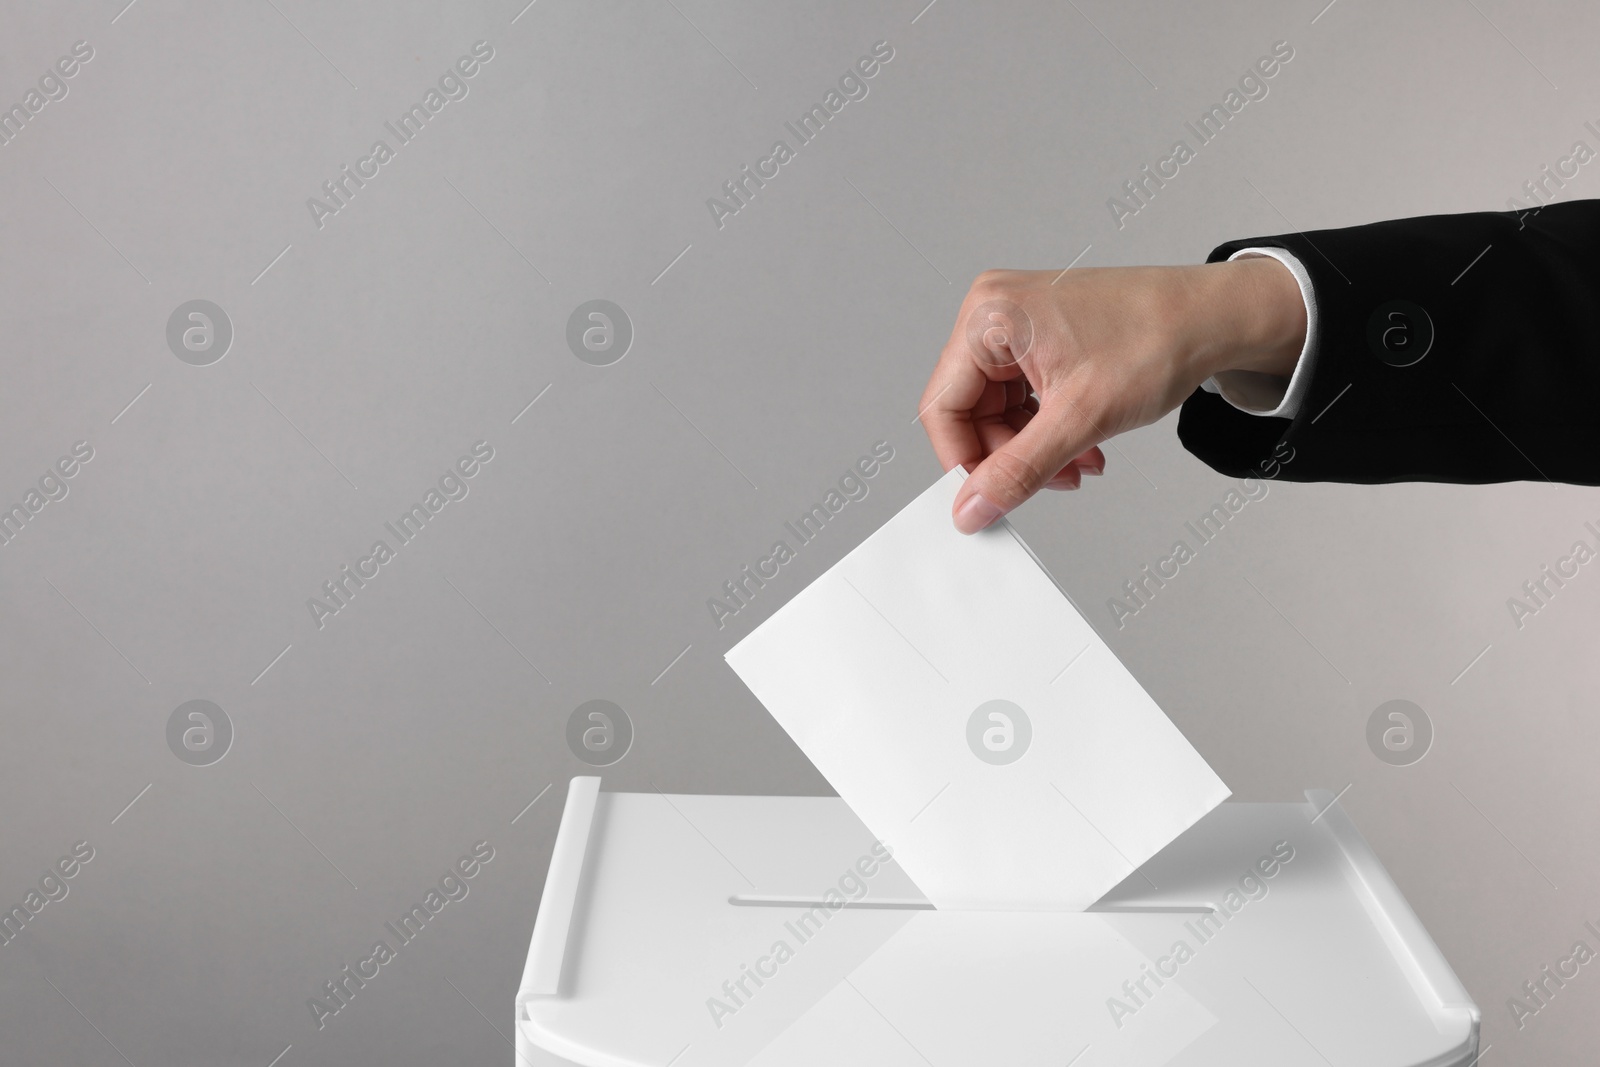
(424, 318)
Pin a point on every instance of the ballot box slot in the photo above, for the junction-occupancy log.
(755, 900)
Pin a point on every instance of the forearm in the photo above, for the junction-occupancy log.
(1249, 319)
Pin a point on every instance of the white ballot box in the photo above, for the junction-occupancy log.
(776, 931)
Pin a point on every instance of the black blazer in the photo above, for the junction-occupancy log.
(1450, 348)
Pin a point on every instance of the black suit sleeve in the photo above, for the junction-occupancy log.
(1450, 348)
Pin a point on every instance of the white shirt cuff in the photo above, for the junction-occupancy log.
(1270, 394)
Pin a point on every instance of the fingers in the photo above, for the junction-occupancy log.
(980, 412)
(1069, 477)
(1016, 419)
(995, 433)
(1039, 453)
(966, 387)
(947, 407)
(1091, 462)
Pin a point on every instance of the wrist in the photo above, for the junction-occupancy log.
(1249, 315)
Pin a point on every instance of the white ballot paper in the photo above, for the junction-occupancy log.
(975, 722)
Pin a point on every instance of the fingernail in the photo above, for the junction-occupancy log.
(1085, 468)
(975, 514)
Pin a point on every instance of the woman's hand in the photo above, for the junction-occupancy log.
(1042, 366)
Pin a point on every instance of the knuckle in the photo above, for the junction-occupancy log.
(990, 282)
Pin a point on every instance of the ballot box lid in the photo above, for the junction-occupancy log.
(702, 931)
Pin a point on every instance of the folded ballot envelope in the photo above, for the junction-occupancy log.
(958, 702)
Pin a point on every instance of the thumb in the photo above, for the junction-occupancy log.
(1020, 468)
